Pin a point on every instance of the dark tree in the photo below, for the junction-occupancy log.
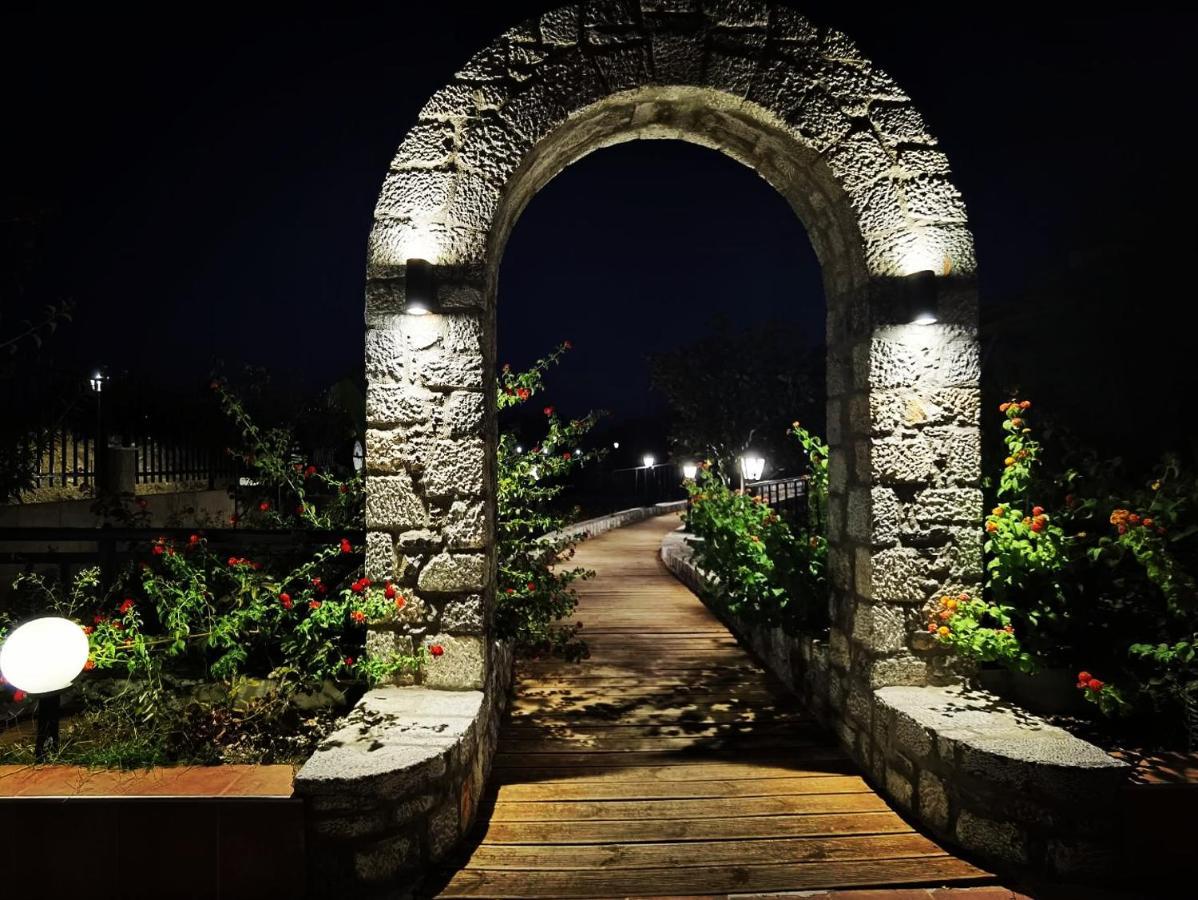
(735, 391)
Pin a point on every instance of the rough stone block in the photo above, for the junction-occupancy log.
(898, 574)
(454, 467)
(380, 555)
(384, 355)
(440, 369)
(463, 413)
(898, 788)
(933, 801)
(462, 666)
(454, 572)
(463, 615)
(907, 460)
(444, 828)
(466, 526)
(392, 503)
(1003, 841)
(948, 506)
(381, 861)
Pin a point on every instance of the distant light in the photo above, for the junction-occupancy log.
(519, 449)
(752, 467)
(44, 655)
(925, 318)
(97, 381)
(649, 460)
(359, 456)
(615, 445)
(578, 453)
(689, 471)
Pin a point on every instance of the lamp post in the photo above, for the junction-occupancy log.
(97, 382)
(689, 471)
(751, 468)
(42, 657)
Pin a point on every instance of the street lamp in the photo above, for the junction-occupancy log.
(97, 381)
(649, 460)
(42, 657)
(751, 467)
(689, 471)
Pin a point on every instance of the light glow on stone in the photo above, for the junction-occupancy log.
(44, 655)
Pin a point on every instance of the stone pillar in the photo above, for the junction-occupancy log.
(904, 481)
(430, 472)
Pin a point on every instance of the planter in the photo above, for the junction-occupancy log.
(1049, 692)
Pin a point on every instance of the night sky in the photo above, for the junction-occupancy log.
(204, 187)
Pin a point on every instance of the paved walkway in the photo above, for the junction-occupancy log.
(669, 763)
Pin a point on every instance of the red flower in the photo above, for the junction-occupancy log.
(19, 696)
(360, 585)
(566, 455)
(532, 586)
(125, 607)
(346, 546)
(1094, 684)
(313, 604)
(511, 590)
(1122, 529)
(264, 505)
(569, 345)
(1037, 510)
(98, 619)
(159, 549)
(1025, 404)
(311, 470)
(399, 602)
(389, 590)
(1084, 676)
(523, 393)
(88, 629)
(436, 649)
(193, 539)
(344, 489)
(548, 410)
(358, 616)
(89, 665)
(349, 661)
(1038, 525)
(286, 600)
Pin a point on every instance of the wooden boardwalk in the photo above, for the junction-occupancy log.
(670, 763)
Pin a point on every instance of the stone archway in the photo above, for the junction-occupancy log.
(845, 146)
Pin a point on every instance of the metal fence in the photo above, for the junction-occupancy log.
(786, 495)
(66, 458)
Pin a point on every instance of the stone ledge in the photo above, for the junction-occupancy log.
(589, 528)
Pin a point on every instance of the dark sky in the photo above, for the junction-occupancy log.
(207, 183)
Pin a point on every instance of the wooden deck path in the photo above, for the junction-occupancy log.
(670, 763)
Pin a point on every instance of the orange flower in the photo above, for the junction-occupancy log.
(1025, 404)
(992, 527)
(358, 616)
(1009, 461)
(943, 631)
(997, 511)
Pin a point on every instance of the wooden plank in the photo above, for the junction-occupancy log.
(693, 790)
(683, 830)
(697, 772)
(702, 853)
(669, 762)
(701, 808)
(616, 882)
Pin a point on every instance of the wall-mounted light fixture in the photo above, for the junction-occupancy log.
(418, 288)
(689, 471)
(649, 460)
(923, 301)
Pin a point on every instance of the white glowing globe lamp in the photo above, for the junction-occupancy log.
(649, 461)
(43, 655)
(689, 471)
(752, 467)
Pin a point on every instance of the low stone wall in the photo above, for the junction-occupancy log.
(397, 786)
(394, 789)
(589, 528)
(972, 768)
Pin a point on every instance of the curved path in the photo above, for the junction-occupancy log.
(671, 763)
